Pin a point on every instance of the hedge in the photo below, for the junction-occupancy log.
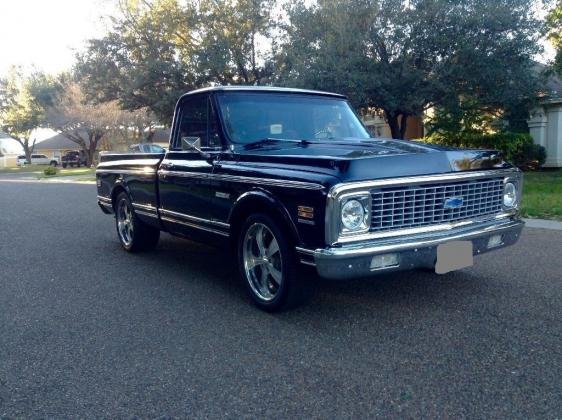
(517, 148)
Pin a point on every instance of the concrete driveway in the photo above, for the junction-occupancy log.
(87, 330)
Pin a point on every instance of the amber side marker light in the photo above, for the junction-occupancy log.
(305, 212)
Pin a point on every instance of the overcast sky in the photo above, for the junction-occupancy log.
(46, 33)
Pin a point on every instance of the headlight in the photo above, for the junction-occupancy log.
(353, 216)
(509, 195)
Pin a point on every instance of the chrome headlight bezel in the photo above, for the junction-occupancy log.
(364, 199)
(516, 180)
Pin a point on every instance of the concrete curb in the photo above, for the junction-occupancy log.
(543, 224)
(50, 181)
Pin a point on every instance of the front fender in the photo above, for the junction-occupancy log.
(260, 199)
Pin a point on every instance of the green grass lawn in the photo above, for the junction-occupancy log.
(37, 171)
(542, 194)
(23, 169)
(82, 173)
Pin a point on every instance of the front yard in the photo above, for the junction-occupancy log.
(37, 171)
(542, 194)
(80, 174)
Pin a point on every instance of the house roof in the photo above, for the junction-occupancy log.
(58, 142)
(552, 84)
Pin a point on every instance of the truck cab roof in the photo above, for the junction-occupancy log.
(262, 89)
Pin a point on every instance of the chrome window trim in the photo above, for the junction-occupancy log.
(334, 237)
(245, 179)
(174, 214)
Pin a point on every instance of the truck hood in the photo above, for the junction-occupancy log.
(358, 160)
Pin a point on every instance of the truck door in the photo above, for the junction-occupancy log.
(186, 198)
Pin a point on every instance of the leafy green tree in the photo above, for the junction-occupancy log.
(159, 49)
(145, 61)
(554, 33)
(22, 106)
(405, 57)
(236, 42)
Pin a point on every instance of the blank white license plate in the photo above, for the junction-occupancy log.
(453, 256)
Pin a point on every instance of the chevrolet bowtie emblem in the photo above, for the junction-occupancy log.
(453, 203)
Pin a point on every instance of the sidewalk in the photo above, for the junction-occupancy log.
(33, 178)
(543, 224)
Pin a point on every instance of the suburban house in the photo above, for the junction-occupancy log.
(10, 149)
(377, 126)
(545, 123)
(55, 146)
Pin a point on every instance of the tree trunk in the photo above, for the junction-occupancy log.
(95, 138)
(28, 151)
(403, 125)
(397, 122)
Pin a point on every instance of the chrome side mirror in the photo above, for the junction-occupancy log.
(193, 144)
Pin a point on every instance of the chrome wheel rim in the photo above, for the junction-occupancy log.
(125, 222)
(263, 265)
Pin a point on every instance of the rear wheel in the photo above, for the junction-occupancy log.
(268, 266)
(133, 234)
(64, 165)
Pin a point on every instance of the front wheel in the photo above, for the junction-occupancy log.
(268, 266)
(133, 234)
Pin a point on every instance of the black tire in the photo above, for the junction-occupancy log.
(78, 165)
(270, 295)
(64, 165)
(53, 163)
(140, 237)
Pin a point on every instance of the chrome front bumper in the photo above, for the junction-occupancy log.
(354, 260)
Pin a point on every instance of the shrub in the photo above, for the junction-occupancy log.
(517, 148)
(50, 171)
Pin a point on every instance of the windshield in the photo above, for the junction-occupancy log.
(250, 117)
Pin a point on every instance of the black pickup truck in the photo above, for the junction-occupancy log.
(291, 177)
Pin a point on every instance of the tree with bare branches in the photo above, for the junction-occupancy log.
(84, 123)
(88, 123)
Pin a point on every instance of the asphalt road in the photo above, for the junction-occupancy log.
(87, 330)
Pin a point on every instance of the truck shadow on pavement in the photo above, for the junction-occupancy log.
(193, 265)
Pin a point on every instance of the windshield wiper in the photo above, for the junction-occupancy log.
(270, 140)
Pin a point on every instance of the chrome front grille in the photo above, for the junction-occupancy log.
(403, 207)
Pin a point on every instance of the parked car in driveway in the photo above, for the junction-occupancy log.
(146, 148)
(291, 177)
(37, 159)
(73, 159)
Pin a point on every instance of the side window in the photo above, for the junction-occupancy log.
(214, 136)
(198, 125)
